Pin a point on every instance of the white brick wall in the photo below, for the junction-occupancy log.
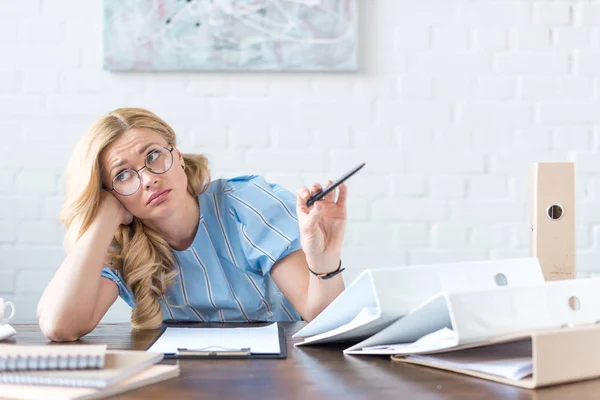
(454, 100)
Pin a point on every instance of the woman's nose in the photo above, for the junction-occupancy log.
(148, 178)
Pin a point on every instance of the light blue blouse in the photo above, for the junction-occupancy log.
(246, 225)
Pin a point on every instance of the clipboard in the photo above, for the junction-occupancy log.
(218, 353)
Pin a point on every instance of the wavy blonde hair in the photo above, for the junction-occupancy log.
(142, 256)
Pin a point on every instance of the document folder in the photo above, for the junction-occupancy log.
(553, 328)
(379, 297)
(474, 317)
(558, 356)
(553, 219)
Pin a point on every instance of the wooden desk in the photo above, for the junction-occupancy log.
(307, 373)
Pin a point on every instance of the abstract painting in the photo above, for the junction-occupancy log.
(230, 35)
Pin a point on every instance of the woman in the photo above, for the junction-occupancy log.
(144, 222)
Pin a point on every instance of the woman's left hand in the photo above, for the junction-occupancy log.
(322, 227)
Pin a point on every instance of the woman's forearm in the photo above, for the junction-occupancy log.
(321, 292)
(69, 300)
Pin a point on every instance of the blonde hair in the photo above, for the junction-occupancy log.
(142, 256)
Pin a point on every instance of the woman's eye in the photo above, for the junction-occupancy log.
(153, 156)
(123, 176)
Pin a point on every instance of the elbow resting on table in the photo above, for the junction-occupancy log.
(61, 331)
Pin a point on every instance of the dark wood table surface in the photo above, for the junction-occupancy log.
(317, 372)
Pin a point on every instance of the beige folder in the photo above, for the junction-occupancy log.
(553, 219)
(559, 356)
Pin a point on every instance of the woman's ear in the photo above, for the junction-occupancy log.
(179, 155)
(181, 160)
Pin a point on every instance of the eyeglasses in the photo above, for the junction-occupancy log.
(128, 181)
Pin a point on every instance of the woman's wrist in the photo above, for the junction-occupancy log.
(325, 274)
(110, 213)
(324, 264)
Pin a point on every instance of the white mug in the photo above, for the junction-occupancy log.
(3, 305)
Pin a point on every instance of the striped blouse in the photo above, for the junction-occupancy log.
(246, 225)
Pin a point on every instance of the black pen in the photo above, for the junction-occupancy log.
(322, 193)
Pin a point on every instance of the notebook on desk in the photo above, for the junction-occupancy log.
(118, 365)
(148, 376)
(241, 342)
(63, 357)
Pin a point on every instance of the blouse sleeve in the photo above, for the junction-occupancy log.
(124, 292)
(265, 216)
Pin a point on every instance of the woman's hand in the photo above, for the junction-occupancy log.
(322, 227)
(112, 206)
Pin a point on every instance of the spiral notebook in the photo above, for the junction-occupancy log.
(148, 376)
(118, 365)
(20, 358)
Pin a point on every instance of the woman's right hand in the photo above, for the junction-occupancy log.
(111, 205)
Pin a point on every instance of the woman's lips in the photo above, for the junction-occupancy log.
(160, 198)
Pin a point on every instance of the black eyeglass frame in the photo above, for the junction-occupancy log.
(137, 171)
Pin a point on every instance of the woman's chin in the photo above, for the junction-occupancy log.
(160, 211)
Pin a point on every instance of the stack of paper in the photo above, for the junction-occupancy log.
(509, 360)
(444, 338)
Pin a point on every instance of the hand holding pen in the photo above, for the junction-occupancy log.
(322, 222)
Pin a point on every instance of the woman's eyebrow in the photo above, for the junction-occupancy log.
(123, 162)
(143, 149)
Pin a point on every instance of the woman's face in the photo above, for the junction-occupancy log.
(158, 194)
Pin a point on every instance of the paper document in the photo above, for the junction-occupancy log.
(508, 360)
(366, 323)
(442, 339)
(260, 340)
(6, 331)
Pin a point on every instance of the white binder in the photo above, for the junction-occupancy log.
(377, 298)
(450, 320)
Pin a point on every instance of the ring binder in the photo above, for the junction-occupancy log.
(377, 298)
(553, 219)
(557, 356)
